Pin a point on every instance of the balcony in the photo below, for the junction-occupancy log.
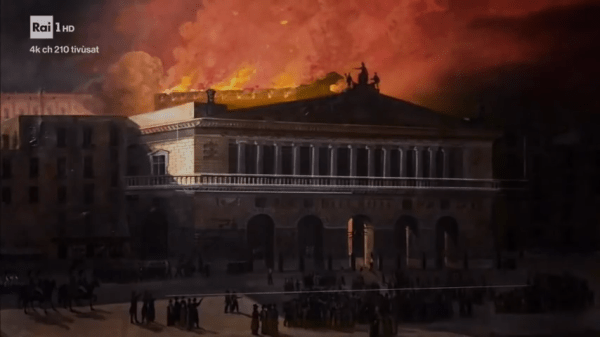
(312, 184)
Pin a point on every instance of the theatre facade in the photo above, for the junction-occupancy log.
(354, 176)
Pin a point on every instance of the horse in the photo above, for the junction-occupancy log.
(68, 293)
(29, 294)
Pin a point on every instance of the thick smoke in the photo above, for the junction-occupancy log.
(131, 83)
(412, 44)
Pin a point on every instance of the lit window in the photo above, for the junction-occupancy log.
(159, 166)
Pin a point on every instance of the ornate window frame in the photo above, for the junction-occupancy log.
(158, 153)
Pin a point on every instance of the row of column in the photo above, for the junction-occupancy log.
(435, 159)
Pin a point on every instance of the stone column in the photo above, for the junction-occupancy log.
(259, 158)
(432, 163)
(332, 160)
(386, 162)
(418, 163)
(314, 160)
(402, 158)
(277, 168)
(352, 162)
(241, 157)
(446, 161)
(296, 159)
(370, 161)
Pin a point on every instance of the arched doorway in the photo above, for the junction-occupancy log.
(310, 240)
(446, 239)
(261, 238)
(406, 231)
(155, 234)
(361, 237)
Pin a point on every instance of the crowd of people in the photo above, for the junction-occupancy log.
(182, 312)
(547, 293)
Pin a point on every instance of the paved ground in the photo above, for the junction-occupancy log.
(112, 321)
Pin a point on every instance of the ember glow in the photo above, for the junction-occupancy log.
(239, 44)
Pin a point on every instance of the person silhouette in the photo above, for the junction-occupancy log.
(363, 77)
(349, 81)
(376, 81)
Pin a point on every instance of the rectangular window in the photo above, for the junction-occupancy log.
(378, 162)
(250, 155)
(61, 137)
(6, 195)
(287, 160)
(114, 156)
(114, 178)
(87, 137)
(395, 163)
(6, 168)
(88, 167)
(324, 160)
(233, 157)
(426, 160)
(61, 167)
(61, 195)
(88, 194)
(343, 161)
(114, 136)
(362, 162)
(61, 223)
(305, 160)
(34, 167)
(5, 142)
(34, 195)
(159, 166)
(268, 159)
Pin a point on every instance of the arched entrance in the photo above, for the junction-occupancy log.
(155, 234)
(446, 239)
(310, 241)
(260, 234)
(406, 231)
(361, 237)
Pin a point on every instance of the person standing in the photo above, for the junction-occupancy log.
(183, 314)
(145, 309)
(275, 321)
(227, 301)
(255, 320)
(190, 314)
(263, 321)
(133, 308)
(196, 313)
(151, 309)
(270, 277)
(235, 306)
(176, 311)
(170, 313)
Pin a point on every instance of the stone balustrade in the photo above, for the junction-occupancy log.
(312, 183)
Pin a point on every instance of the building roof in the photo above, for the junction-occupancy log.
(359, 106)
(176, 114)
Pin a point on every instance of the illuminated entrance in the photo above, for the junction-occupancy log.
(361, 238)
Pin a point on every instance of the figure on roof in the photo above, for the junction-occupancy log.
(376, 81)
(349, 80)
(363, 77)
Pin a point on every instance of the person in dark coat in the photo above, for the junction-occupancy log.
(274, 321)
(270, 277)
(145, 309)
(133, 308)
(196, 313)
(235, 306)
(183, 314)
(227, 301)
(190, 314)
(263, 321)
(255, 320)
(374, 324)
(176, 311)
(170, 313)
(151, 310)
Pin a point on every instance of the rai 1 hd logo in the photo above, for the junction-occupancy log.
(41, 27)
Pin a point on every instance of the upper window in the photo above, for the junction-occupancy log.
(159, 164)
(61, 137)
(87, 137)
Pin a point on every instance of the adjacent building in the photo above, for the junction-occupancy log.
(47, 104)
(62, 186)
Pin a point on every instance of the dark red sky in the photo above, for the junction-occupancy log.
(445, 54)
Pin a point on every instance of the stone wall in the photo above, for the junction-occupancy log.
(180, 154)
(211, 154)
